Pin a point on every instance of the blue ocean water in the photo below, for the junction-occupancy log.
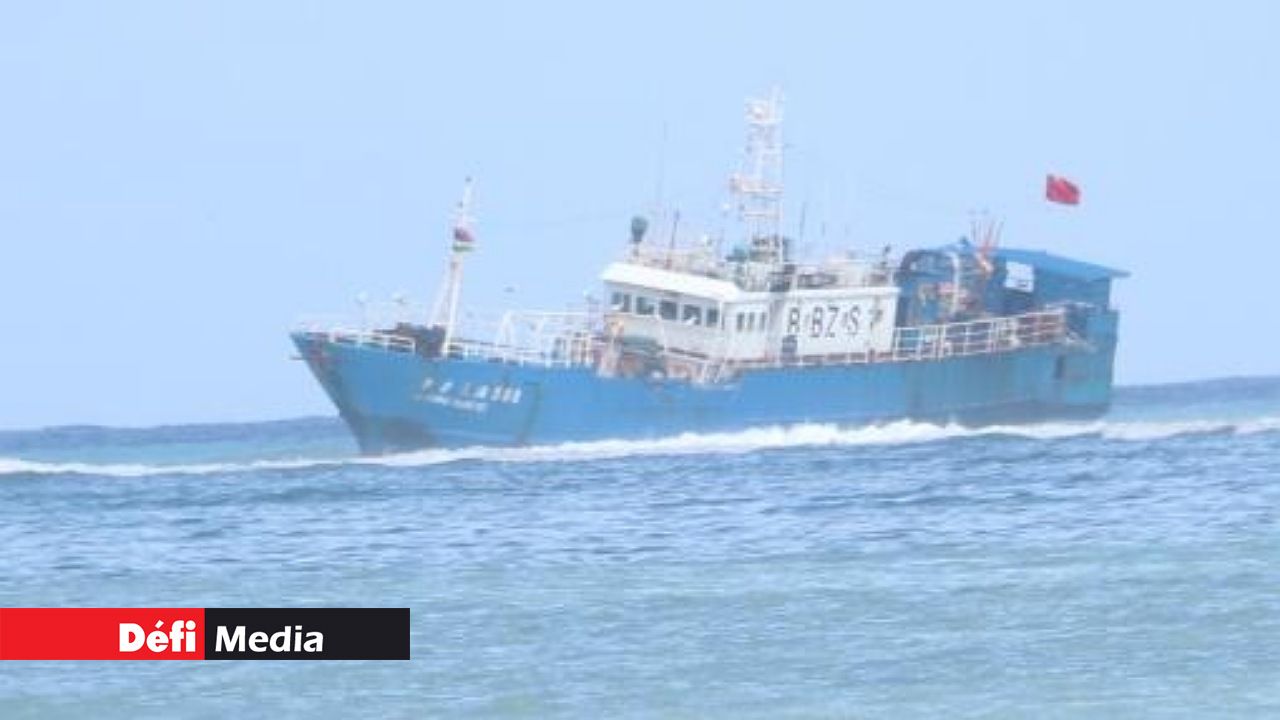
(1119, 568)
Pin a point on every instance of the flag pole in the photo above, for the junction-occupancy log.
(445, 313)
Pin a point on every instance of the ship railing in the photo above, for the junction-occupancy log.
(980, 337)
(523, 337)
(563, 339)
(371, 315)
(573, 338)
(358, 337)
(697, 261)
(840, 271)
(932, 342)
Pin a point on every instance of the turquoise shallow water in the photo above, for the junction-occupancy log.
(1124, 568)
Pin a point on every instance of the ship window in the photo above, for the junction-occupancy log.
(751, 322)
(713, 317)
(742, 322)
(764, 321)
(621, 302)
(644, 306)
(667, 309)
(691, 315)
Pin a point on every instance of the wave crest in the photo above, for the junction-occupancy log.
(764, 438)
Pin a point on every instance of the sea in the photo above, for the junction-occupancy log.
(1124, 567)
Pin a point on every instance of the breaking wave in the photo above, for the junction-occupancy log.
(745, 441)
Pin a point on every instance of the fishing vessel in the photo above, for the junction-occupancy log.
(706, 338)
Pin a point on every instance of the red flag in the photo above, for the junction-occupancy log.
(463, 240)
(1061, 190)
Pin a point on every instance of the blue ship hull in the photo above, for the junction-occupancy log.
(396, 401)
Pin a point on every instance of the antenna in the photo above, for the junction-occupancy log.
(362, 299)
(985, 233)
(661, 180)
(445, 312)
(671, 244)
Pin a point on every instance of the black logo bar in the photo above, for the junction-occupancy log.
(306, 633)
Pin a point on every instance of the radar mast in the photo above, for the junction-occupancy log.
(757, 186)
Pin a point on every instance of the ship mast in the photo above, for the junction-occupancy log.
(445, 312)
(758, 184)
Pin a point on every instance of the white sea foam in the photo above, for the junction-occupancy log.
(12, 466)
(765, 438)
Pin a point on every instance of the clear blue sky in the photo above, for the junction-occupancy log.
(180, 180)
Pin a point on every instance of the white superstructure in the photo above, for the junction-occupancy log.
(756, 304)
